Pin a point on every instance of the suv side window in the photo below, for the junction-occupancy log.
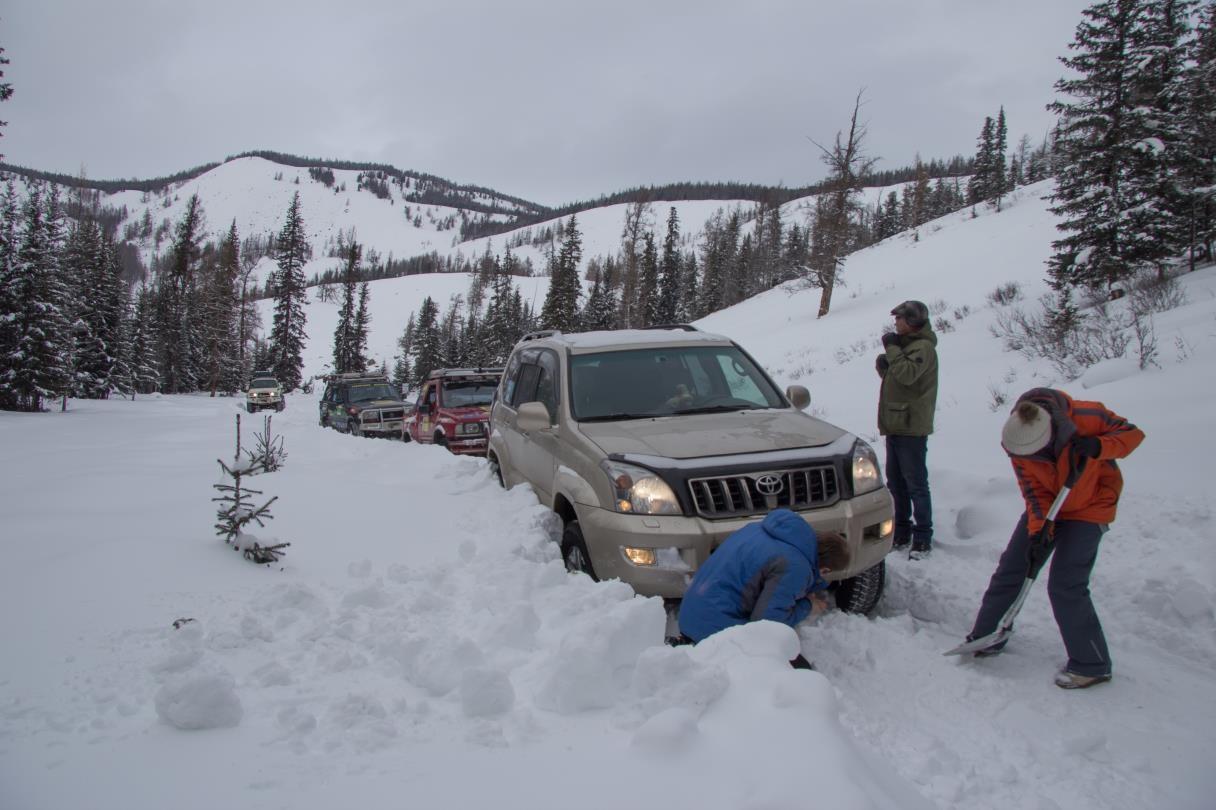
(525, 390)
(510, 377)
(547, 387)
(429, 397)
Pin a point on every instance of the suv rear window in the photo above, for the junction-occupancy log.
(665, 381)
(468, 393)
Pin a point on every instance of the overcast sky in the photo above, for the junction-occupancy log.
(551, 101)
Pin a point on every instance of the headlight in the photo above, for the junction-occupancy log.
(866, 475)
(639, 491)
(468, 429)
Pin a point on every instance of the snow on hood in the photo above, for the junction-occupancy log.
(714, 434)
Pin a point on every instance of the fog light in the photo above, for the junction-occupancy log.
(886, 527)
(639, 556)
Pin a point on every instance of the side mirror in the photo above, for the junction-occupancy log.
(798, 396)
(532, 416)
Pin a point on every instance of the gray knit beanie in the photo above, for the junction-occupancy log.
(1027, 430)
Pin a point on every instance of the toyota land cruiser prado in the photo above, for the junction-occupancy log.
(654, 445)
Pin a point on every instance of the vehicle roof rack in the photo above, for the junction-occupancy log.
(358, 375)
(464, 372)
(540, 333)
(686, 327)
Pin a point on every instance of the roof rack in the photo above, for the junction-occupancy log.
(464, 372)
(687, 327)
(357, 375)
(540, 333)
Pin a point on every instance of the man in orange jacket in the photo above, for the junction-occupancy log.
(1047, 436)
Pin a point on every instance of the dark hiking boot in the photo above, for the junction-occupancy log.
(901, 542)
(919, 551)
(1072, 680)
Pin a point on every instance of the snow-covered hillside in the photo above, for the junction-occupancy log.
(421, 644)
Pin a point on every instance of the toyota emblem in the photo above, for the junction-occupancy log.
(769, 484)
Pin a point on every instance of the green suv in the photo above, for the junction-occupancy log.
(362, 405)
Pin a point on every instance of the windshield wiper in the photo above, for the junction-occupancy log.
(614, 417)
(714, 409)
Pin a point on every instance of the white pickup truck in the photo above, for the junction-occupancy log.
(264, 392)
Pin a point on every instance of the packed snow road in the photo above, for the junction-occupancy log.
(420, 644)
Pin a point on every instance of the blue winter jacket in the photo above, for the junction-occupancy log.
(765, 570)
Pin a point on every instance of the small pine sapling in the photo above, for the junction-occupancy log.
(268, 454)
(237, 509)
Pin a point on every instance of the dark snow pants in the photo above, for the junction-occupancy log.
(908, 480)
(1076, 549)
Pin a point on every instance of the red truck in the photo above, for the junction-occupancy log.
(453, 409)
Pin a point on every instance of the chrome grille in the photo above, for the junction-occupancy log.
(753, 493)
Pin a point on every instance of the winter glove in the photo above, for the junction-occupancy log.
(1040, 549)
(1087, 446)
(881, 363)
(889, 338)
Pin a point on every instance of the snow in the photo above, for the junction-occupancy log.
(420, 644)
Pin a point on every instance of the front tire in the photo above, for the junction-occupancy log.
(496, 471)
(860, 594)
(352, 427)
(574, 551)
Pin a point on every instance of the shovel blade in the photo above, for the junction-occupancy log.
(981, 643)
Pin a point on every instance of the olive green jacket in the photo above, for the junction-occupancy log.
(909, 385)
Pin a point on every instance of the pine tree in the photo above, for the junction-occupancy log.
(175, 325)
(427, 349)
(220, 310)
(344, 333)
(402, 371)
(35, 366)
(669, 272)
(142, 356)
(560, 310)
(1157, 54)
(1194, 161)
(998, 177)
(978, 188)
(288, 334)
(648, 283)
(1100, 151)
(689, 289)
(363, 320)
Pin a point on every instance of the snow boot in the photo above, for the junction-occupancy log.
(1073, 680)
(920, 551)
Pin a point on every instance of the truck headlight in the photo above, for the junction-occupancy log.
(638, 491)
(866, 473)
(468, 429)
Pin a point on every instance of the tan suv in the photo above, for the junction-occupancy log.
(654, 445)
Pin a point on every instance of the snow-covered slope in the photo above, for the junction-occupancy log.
(421, 645)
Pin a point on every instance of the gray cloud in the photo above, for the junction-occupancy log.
(548, 101)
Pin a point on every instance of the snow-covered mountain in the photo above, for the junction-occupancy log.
(421, 643)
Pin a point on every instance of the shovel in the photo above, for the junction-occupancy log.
(1040, 550)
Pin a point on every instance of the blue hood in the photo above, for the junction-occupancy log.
(789, 528)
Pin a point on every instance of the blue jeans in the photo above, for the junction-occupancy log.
(908, 480)
(1076, 549)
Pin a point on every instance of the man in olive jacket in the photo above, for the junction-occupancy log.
(906, 402)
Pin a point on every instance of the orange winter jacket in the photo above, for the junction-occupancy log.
(1095, 494)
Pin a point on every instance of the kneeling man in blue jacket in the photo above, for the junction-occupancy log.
(768, 570)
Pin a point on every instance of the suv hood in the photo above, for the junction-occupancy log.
(378, 403)
(712, 434)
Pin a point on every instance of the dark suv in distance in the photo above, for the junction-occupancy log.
(453, 409)
(362, 405)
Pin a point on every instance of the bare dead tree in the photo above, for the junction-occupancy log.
(837, 206)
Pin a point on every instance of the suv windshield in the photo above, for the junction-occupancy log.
(468, 393)
(365, 392)
(667, 381)
(264, 382)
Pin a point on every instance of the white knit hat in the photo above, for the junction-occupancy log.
(1027, 430)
